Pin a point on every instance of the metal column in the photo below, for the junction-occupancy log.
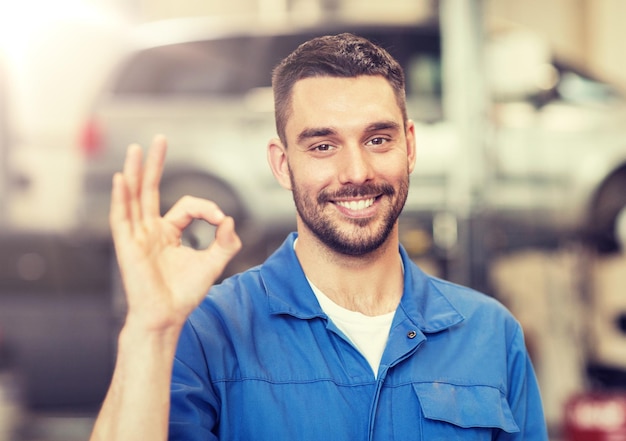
(465, 104)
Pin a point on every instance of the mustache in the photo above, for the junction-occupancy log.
(355, 191)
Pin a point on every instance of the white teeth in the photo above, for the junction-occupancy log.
(356, 205)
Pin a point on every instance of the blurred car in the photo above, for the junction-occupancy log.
(207, 87)
(555, 158)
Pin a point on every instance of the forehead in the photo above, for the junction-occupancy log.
(342, 102)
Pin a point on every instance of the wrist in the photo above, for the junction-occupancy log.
(136, 334)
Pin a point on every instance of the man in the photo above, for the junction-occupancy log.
(338, 335)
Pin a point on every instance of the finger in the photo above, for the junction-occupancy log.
(133, 171)
(227, 241)
(150, 205)
(119, 219)
(188, 208)
(223, 249)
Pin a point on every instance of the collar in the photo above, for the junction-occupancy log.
(289, 292)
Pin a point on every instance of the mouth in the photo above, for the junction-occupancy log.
(354, 201)
(356, 205)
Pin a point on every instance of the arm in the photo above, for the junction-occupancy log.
(164, 282)
(524, 396)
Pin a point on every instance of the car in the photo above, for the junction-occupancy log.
(554, 158)
(206, 86)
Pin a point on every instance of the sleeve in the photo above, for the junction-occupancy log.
(523, 394)
(194, 405)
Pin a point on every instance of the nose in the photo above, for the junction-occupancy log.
(355, 165)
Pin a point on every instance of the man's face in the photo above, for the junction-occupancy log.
(349, 159)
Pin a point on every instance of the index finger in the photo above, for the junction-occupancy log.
(188, 208)
(150, 199)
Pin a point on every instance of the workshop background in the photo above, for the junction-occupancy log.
(529, 206)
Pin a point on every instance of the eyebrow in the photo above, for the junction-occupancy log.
(316, 132)
(382, 125)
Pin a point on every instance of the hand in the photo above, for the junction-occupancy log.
(164, 281)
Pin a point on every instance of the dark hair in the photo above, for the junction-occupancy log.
(344, 55)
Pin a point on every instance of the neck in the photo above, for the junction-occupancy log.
(371, 284)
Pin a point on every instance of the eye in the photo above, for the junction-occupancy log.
(322, 148)
(377, 141)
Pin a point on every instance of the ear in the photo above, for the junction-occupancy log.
(411, 144)
(277, 158)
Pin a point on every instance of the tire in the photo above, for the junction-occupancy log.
(609, 203)
(200, 234)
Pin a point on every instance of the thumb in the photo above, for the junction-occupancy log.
(225, 246)
(226, 237)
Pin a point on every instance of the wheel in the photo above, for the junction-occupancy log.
(620, 228)
(609, 205)
(199, 234)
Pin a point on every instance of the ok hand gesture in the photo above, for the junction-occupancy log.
(164, 281)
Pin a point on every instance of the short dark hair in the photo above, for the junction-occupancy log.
(344, 55)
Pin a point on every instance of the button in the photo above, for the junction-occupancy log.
(411, 334)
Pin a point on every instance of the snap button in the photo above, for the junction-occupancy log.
(411, 334)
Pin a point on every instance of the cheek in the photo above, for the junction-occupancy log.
(312, 176)
(394, 171)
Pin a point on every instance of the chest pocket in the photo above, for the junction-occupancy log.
(463, 412)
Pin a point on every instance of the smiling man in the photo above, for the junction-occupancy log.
(338, 335)
(349, 162)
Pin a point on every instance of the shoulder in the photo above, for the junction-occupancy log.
(234, 295)
(466, 298)
(226, 313)
(475, 306)
(431, 296)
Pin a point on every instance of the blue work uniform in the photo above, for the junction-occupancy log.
(259, 360)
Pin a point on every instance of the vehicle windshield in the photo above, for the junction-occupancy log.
(231, 67)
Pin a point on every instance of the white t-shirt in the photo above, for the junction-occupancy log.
(368, 334)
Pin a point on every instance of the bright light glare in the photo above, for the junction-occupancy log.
(55, 52)
(22, 21)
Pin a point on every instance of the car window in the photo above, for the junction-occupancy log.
(204, 67)
(235, 65)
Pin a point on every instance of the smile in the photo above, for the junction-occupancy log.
(356, 205)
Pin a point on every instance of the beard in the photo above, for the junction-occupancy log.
(351, 236)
